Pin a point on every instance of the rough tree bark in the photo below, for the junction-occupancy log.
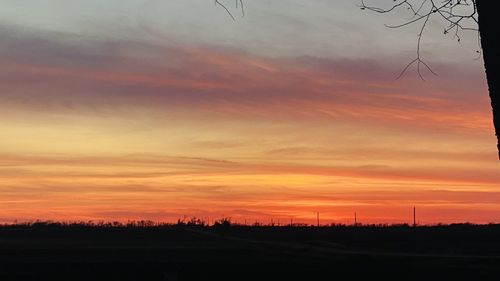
(490, 42)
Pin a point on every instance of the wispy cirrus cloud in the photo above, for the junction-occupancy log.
(78, 72)
(90, 132)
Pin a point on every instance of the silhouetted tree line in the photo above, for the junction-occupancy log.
(223, 223)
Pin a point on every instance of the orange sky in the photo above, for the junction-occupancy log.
(101, 128)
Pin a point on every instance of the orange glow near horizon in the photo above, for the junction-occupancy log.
(232, 134)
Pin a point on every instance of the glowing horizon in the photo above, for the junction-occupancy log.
(154, 118)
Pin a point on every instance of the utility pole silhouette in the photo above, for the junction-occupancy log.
(355, 219)
(414, 217)
(317, 218)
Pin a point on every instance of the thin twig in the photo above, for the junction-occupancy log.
(423, 10)
(239, 5)
(225, 8)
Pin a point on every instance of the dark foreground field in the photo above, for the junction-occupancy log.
(456, 252)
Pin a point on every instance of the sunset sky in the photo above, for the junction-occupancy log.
(164, 109)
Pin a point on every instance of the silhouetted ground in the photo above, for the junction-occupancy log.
(54, 252)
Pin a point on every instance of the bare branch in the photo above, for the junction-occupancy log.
(239, 5)
(225, 8)
(461, 15)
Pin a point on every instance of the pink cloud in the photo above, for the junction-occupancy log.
(221, 81)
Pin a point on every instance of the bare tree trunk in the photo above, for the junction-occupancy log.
(490, 42)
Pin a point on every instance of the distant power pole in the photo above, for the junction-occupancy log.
(317, 218)
(414, 216)
(355, 219)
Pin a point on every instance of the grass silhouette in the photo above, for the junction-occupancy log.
(145, 250)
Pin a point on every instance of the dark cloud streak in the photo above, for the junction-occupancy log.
(56, 72)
